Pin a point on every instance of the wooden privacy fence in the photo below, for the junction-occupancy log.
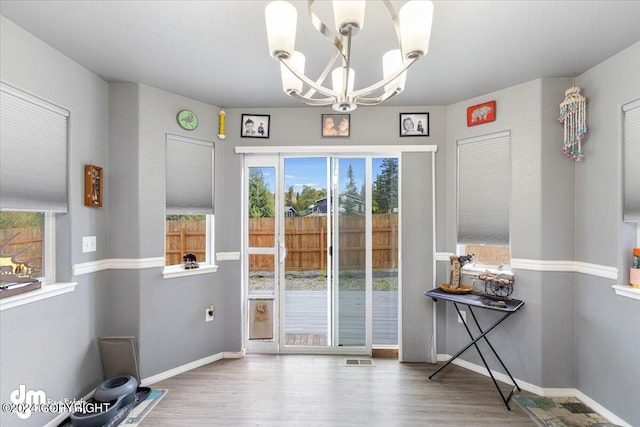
(305, 238)
(185, 237)
(306, 242)
(28, 237)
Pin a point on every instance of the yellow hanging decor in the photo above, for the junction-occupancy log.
(222, 115)
(573, 116)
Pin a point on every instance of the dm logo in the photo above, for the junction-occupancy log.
(25, 400)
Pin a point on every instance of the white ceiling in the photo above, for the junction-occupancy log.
(216, 51)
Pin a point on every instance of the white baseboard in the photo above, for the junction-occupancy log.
(189, 366)
(540, 391)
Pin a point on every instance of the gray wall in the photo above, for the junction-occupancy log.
(528, 340)
(165, 315)
(607, 325)
(573, 331)
(50, 345)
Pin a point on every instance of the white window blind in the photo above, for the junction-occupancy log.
(189, 176)
(33, 153)
(632, 161)
(484, 177)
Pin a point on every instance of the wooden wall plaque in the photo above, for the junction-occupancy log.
(93, 186)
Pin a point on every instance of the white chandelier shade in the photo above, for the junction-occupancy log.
(412, 26)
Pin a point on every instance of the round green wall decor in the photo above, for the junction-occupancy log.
(187, 120)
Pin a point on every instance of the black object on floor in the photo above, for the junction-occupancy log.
(121, 414)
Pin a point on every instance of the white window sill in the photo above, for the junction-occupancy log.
(477, 269)
(627, 291)
(177, 271)
(46, 291)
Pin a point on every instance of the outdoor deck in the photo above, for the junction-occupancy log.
(306, 318)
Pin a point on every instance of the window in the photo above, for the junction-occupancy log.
(631, 161)
(189, 200)
(33, 134)
(22, 243)
(483, 190)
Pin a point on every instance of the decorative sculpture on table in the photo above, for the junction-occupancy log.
(455, 274)
(573, 116)
(498, 284)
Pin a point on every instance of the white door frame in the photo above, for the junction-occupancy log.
(375, 150)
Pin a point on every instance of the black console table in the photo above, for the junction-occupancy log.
(506, 307)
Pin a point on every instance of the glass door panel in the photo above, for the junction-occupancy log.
(261, 255)
(322, 253)
(350, 260)
(385, 251)
(306, 234)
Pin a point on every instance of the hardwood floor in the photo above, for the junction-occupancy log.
(310, 390)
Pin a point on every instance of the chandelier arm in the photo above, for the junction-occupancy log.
(383, 82)
(324, 29)
(324, 74)
(312, 101)
(323, 90)
(361, 100)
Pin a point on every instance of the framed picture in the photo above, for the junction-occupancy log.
(254, 126)
(481, 113)
(414, 124)
(336, 125)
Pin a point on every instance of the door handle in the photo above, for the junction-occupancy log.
(283, 252)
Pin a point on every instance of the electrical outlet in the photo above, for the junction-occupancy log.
(209, 313)
(464, 316)
(88, 243)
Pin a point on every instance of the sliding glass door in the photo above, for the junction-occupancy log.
(311, 261)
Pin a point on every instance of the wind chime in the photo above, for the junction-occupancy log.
(573, 116)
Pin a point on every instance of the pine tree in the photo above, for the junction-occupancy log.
(385, 189)
(261, 200)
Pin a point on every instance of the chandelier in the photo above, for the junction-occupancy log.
(412, 26)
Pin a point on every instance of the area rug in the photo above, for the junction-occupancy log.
(561, 412)
(138, 413)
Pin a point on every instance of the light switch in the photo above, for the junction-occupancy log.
(88, 243)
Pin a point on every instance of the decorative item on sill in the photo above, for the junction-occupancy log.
(634, 271)
(498, 284)
(455, 275)
(573, 116)
(189, 262)
(17, 275)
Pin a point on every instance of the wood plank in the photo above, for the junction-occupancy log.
(311, 390)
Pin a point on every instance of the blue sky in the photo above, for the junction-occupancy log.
(312, 171)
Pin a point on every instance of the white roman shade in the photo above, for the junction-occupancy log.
(632, 161)
(189, 176)
(484, 177)
(33, 153)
